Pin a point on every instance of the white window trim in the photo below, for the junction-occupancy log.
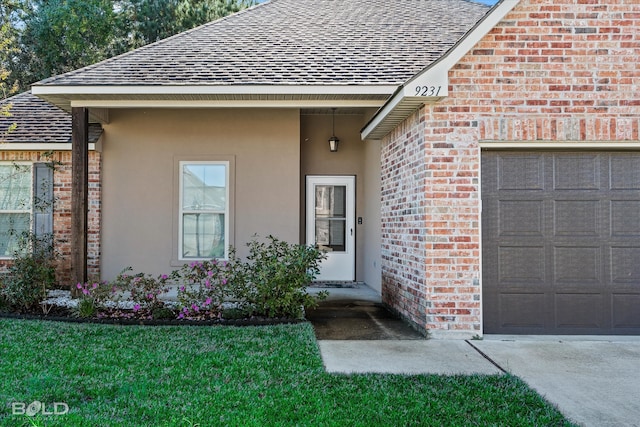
(181, 211)
(30, 211)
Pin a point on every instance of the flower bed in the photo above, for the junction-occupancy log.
(269, 285)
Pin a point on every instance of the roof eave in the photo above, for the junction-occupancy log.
(432, 83)
(185, 96)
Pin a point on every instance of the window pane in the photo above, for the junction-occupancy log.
(15, 187)
(331, 201)
(204, 187)
(12, 226)
(203, 235)
(331, 234)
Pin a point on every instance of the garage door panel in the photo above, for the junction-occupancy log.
(625, 266)
(561, 242)
(626, 315)
(521, 265)
(520, 172)
(624, 172)
(522, 310)
(576, 172)
(579, 311)
(520, 217)
(577, 265)
(625, 220)
(577, 218)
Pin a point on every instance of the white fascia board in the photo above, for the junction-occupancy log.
(169, 90)
(227, 103)
(27, 146)
(433, 81)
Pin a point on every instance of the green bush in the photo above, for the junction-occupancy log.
(271, 283)
(277, 277)
(32, 273)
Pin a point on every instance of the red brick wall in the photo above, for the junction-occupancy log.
(566, 70)
(62, 208)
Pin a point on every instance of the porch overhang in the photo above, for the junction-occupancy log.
(432, 84)
(203, 96)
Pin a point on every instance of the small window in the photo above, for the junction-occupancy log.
(204, 210)
(15, 205)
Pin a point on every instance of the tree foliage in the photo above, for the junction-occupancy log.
(147, 21)
(62, 35)
(42, 38)
(7, 50)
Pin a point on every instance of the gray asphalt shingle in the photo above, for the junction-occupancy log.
(296, 42)
(38, 122)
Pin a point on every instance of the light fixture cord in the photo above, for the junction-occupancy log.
(333, 120)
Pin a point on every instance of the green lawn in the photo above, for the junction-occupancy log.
(247, 376)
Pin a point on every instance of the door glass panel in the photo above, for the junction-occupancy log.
(330, 217)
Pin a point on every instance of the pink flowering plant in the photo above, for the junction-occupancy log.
(206, 285)
(271, 283)
(92, 296)
(144, 289)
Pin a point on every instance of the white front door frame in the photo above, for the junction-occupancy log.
(340, 264)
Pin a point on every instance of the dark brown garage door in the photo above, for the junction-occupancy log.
(561, 242)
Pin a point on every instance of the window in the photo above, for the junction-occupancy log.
(15, 205)
(204, 210)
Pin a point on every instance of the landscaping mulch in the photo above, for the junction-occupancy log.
(64, 314)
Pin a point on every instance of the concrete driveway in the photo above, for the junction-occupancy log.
(594, 381)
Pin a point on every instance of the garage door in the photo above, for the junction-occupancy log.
(561, 242)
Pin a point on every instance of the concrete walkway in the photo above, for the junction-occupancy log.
(446, 357)
(594, 381)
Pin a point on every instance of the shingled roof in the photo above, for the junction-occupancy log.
(295, 42)
(38, 122)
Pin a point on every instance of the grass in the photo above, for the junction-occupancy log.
(113, 375)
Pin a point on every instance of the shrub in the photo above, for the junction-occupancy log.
(144, 289)
(277, 276)
(205, 285)
(32, 273)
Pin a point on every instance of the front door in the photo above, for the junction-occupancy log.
(330, 224)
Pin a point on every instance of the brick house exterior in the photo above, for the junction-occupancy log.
(496, 188)
(42, 135)
(550, 72)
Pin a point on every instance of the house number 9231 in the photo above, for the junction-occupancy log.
(428, 90)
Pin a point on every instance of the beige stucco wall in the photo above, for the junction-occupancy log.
(316, 159)
(372, 240)
(140, 184)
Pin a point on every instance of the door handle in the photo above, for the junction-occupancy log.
(351, 231)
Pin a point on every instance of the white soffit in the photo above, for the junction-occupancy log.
(250, 96)
(432, 84)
